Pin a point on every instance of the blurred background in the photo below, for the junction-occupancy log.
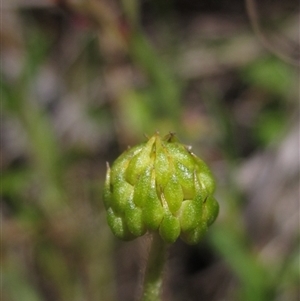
(81, 80)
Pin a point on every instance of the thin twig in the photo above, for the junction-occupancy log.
(254, 20)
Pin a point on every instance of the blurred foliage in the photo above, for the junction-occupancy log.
(272, 75)
(274, 78)
(82, 80)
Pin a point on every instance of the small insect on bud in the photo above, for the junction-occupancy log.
(160, 185)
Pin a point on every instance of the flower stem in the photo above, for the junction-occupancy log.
(154, 269)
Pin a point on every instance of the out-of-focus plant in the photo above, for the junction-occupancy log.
(42, 220)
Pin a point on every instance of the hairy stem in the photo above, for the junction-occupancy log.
(154, 269)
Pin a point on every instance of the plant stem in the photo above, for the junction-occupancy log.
(154, 269)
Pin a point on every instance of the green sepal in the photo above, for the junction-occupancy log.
(169, 228)
(210, 210)
(134, 220)
(139, 162)
(194, 236)
(153, 211)
(122, 162)
(189, 215)
(186, 180)
(162, 165)
(179, 153)
(122, 192)
(173, 194)
(142, 187)
(204, 175)
(118, 225)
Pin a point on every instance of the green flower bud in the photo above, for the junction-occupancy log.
(160, 186)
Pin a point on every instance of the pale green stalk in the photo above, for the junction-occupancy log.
(154, 270)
